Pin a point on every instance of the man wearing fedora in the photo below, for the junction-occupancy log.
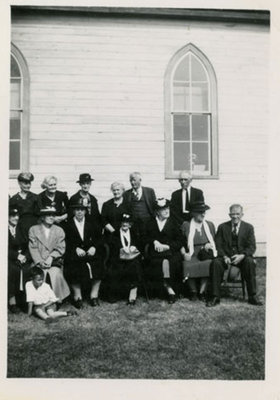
(141, 201)
(182, 199)
(87, 199)
(236, 244)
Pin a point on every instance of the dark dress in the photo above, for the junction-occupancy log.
(60, 203)
(172, 236)
(124, 272)
(92, 207)
(112, 214)
(81, 270)
(16, 246)
(28, 213)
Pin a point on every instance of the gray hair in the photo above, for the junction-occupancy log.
(235, 206)
(185, 172)
(117, 184)
(135, 173)
(47, 180)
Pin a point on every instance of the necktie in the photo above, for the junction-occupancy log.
(125, 241)
(187, 205)
(234, 229)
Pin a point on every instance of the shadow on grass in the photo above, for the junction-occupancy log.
(152, 341)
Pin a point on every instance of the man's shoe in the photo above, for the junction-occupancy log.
(202, 297)
(171, 298)
(94, 302)
(214, 302)
(14, 309)
(254, 301)
(193, 296)
(78, 304)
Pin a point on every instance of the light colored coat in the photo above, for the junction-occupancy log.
(41, 247)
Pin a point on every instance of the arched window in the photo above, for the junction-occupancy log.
(19, 109)
(191, 115)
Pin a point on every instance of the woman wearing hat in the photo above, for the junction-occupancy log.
(26, 203)
(84, 255)
(113, 210)
(51, 197)
(18, 261)
(199, 250)
(125, 258)
(165, 241)
(87, 199)
(47, 248)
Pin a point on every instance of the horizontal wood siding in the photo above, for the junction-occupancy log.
(97, 104)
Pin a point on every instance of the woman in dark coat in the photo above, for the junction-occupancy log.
(18, 261)
(84, 255)
(26, 203)
(51, 197)
(165, 241)
(113, 210)
(126, 258)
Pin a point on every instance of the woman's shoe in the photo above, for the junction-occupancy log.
(78, 304)
(14, 309)
(202, 297)
(171, 298)
(193, 296)
(94, 302)
(131, 302)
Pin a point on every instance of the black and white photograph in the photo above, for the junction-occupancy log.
(137, 213)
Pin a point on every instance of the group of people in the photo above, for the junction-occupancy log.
(61, 247)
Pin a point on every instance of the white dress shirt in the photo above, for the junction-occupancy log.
(80, 226)
(161, 223)
(128, 238)
(138, 192)
(237, 227)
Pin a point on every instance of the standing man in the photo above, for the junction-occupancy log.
(183, 199)
(86, 199)
(236, 244)
(141, 201)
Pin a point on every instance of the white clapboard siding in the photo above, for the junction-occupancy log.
(97, 104)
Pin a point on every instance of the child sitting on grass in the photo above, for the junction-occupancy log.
(41, 298)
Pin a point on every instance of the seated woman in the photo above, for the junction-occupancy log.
(26, 203)
(47, 248)
(165, 241)
(18, 265)
(126, 258)
(199, 241)
(113, 210)
(51, 197)
(84, 255)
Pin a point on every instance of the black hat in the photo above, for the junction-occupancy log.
(48, 211)
(199, 207)
(82, 204)
(85, 178)
(13, 211)
(126, 218)
(25, 177)
(161, 203)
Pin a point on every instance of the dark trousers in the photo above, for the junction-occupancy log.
(248, 272)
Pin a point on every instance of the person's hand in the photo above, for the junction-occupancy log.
(91, 251)
(187, 257)
(133, 249)
(237, 258)
(227, 260)
(21, 258)
(80, 252)
(158, 246)
(58, 219)
(208, 246)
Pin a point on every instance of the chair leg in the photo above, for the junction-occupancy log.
(243, 288)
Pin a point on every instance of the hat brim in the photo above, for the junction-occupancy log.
(85, 180)
(200, 210)
(44, 213)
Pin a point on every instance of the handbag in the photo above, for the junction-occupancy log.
(204, 254)
(124, 256)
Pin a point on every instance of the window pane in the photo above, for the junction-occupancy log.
(182, 71)
(181, 97)
(14, 68)
(201, 163)
(181, 154)
(199, 97)
(200, 127)
(15, 124)
(14, 155)
(15, 93)
(198, 72)
(181, 127)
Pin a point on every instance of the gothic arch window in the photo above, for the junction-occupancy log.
(19, 113)
(191, 136)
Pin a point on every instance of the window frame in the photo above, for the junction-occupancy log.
(168, 100)
(24, 109)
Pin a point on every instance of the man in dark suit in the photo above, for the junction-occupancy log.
(236, 244)
(184, 198)
(87, 199)
(141, 201)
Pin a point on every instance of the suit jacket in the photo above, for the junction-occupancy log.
(186, 230)
(148, 195)
(176, 206)
(246, 242)
(60, 201)
(92, 237)
(95, 216)
(41, 247)
(14, 245)
(170, 235)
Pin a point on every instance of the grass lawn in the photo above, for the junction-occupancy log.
(152, 340)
